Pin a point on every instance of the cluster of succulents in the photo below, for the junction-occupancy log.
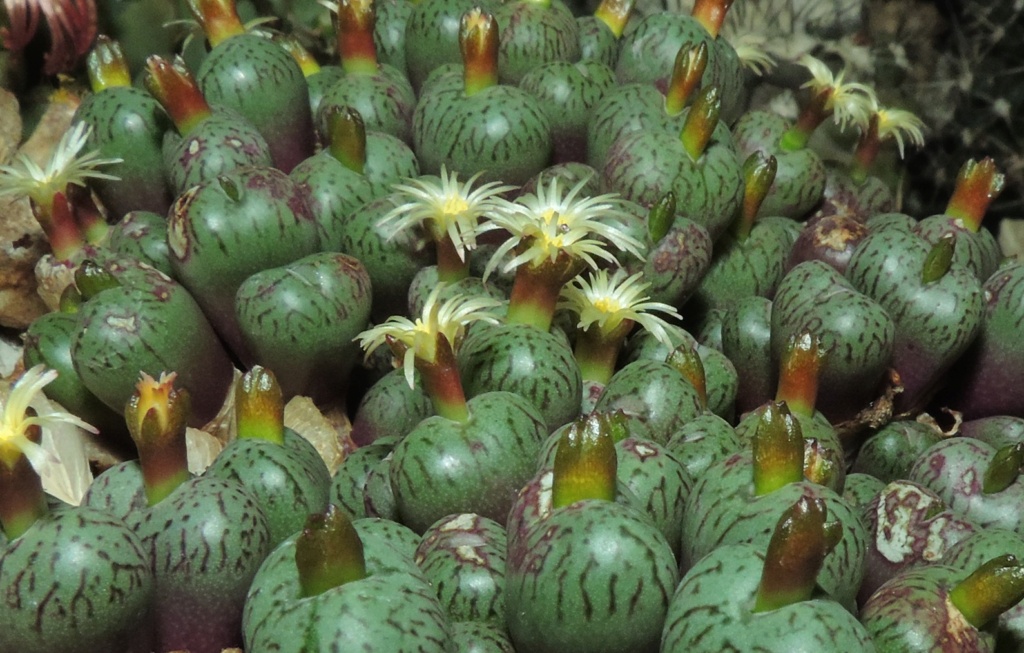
(629, 366)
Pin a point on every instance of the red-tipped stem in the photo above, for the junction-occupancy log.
(176, 90)
(978, 184)
(356, 20)
(106, 65)
(478, 41)
(688, 70)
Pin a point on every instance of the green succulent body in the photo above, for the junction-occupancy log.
(800, 179)
(260, 80)
(597, 41)
(463, 557)
(385, 100)
(522, 359)
(137, 327)
(500, 131)
(856, 333)
(301, 320)
(889, 453)
(568, 593)
(723, 509)
(936, 321)
(220, 144)
(432, 36)
(533, 34)
(290, 480)
(623, 110)
(911, 613)
(348, 484)
(644, 165)
(712, 610)
(977, 250)
(746, 341)
(393, 608)
(702, 441)
(442, 466)
(676, 263)
(221, 232)
(128, 124)
(142, 235)
(648, 49)
(568, 93)
(333, 192)
(656, 393)
(390, 408)
(78, 581)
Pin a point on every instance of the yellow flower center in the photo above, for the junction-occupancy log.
(454, 205)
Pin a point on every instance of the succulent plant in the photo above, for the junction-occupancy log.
(351, 570)
(889, 453)
(224, 230)
(380, 93)
(469, 122)
(210, 140)
(534, 33)
(742, 598)
(559, 592)
(205, 537)
(257, 78)
(127, 124)
(936, 606)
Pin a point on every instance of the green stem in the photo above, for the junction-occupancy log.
(534, 296)
(778, 448)
(307, 62)
(478, 42)
(106, 65)
(585, 461)
(758, 174)
(450, 266)
(711, 14)
(218, 18)
(868, 147)
(701, 121)
(259, 406)
(798, 373)
(441, 379)
(994, 588)
(22, 500)
(328, 553)
(346, 137)
(1004, 469)
(176, 90)
(977, 185)
(356, 20)
(795, 556)
(614, 14)
(939, 259)
(597, 350)
(812, 115)
(156, 416)
(691, 60)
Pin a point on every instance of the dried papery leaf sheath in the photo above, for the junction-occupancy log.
(691, 60)
(328, 553)
(758, 174)
(608, 307)
(106, 65)
(259, 406)
(614, 14)
(156, 415)
(585, 461)
(796, 553)
(428, 345)
(798, 373)
(478, 42)
(978, 184)
(778, 448)
(346, 137)
(994, 588)
(356, 20)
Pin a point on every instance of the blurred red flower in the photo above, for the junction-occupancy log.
(71, 25)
